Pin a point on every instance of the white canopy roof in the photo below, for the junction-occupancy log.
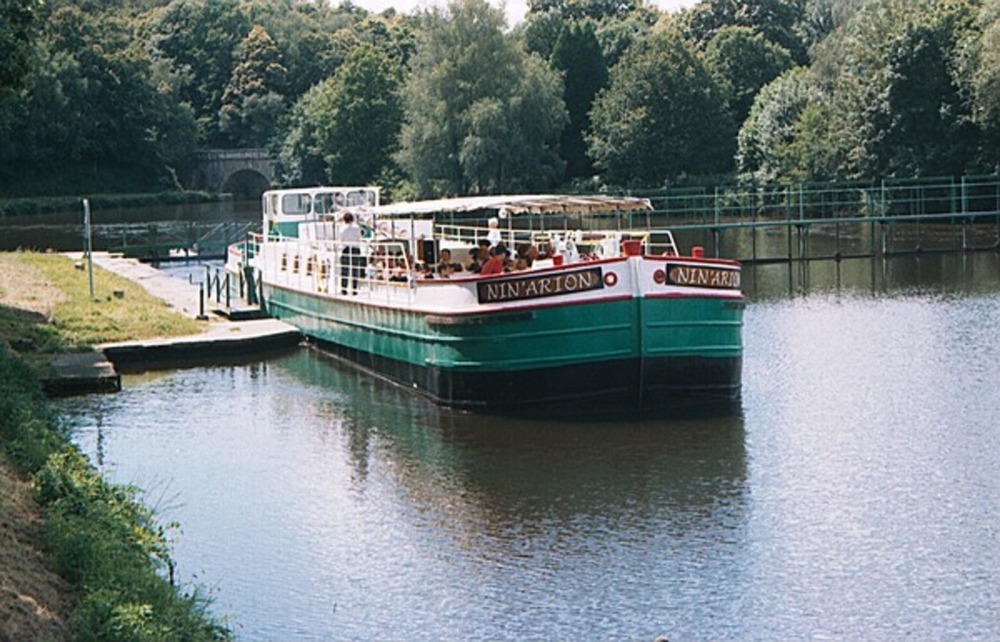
(518, 204)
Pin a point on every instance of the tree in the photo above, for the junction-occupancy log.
(578, 56)
(98, 111)
(981, 76)
(357, 115)
(786, 136)
(200, 37)
(661, 117)
(252, 101)
(776, 20)
(890, 75)
(481, 115)
(17, 30)
(742, 61)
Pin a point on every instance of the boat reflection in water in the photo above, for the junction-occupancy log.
(535, 528)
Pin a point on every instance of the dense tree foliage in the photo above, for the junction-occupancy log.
(17, 28)
(114, 95)
(200, 39)
(482, 116)
(254, 96)
(885, 97)
(777, 20)
(743, 61)
(346, 129)
(662, 116)
(578, 56)
(97, 108)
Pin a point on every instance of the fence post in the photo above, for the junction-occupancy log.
(201, 302)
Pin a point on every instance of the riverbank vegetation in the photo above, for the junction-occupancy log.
(452, 100)
(107, 570)
(29, 206)
(109, 549)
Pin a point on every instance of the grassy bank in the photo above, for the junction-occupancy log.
(32, 205)
(45, 307)
(110, 553)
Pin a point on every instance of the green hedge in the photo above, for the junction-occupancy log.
(31, 206)
(98, 535)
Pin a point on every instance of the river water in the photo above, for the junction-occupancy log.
(853, 493)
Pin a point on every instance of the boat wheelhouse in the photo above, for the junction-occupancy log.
(594, 307)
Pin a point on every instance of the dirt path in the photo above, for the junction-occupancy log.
(34, 601)
(25, 287)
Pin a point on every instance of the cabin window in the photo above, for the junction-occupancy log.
(361, 197)
(325, 203)
(296, 204)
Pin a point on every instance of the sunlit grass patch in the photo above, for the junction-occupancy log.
(120, 309)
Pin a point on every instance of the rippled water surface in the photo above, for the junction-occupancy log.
(853, 493)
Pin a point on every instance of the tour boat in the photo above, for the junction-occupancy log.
(609, 315)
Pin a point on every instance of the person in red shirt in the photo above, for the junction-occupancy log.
(498, 259)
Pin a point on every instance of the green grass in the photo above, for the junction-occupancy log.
(79, 321)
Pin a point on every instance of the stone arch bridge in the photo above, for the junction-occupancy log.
(244, 173)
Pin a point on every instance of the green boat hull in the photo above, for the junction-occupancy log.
(633, 353)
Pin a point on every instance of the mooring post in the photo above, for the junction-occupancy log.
(90, 246)
(201, 302)
(227, 292)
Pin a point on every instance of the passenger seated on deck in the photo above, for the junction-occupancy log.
(398, 274)
(497, 262)
(527, 253)
(477, 260)
(446, 267)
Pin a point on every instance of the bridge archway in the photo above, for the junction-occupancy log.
(245, 173)
(245, 184)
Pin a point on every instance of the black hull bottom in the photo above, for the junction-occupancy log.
(667, 383)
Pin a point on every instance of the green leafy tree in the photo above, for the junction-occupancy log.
(17, 30)
(99, 110)
(252, 101)
(578, 56)
(661, 117)
(786, 135)
(980, 66)
(742, 61)
(777, 20)
(200, 38)
(358, 115)
(891, 78)
(617, 24)
(481, 115)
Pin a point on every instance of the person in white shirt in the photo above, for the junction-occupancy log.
(351, 262)
(493, 235)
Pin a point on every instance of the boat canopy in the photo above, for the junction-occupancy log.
(518, 204)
